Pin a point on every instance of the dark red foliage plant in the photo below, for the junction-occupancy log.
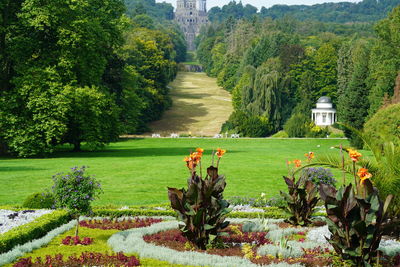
(85, 259)
(74, 241)
(107, 224)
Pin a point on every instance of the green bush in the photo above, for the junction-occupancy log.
(34, 230)
(384, 126)
(39, 201)
(248, 125)
(297, 126)
(317, 131)
(300, 125)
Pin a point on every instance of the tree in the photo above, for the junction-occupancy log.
(353, 102)
(75, 191)
(326, 71)
(385, 60)
(8, 17)
(92, 117)
(56, 46)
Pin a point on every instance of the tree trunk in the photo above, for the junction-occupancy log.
(77, 146)
(77, 226)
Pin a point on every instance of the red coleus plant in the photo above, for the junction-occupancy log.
(74, 241)
(125, 224)
(85, 259)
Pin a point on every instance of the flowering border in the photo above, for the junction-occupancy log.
(131, 241)
(21, 250)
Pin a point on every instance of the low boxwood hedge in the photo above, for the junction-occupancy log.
(271, 212)
(33, 230)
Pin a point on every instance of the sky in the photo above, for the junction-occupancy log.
(260, 3)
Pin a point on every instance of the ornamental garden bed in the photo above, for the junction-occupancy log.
(155, 241)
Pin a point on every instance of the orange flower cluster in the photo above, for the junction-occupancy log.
(309, 156)
(220, 152)
(194, 158)
(354, 155)
(296, 162)
(364, 175)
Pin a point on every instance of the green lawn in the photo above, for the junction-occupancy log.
(139, 171)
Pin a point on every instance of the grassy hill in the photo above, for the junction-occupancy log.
(200, 107)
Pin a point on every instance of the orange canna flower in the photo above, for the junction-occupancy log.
(193, 159)
(364, 175)
(297, 163)
(354, 155)
(309, 156)
(200, 150)
(220, 152)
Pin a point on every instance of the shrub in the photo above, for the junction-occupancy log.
(317, 131)
(356, 223)
(297, 126)
(75, 191)
(247, 125)
(39, 201)
(270, 212)
(201, 207)
(384, 126)
(36, 229)
(319, 176)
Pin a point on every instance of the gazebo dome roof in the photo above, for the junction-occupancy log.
(324, 99)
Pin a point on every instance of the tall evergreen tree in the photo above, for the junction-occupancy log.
(353, 102)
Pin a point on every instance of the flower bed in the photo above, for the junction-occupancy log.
(255, 246)
(38, 228)
(124, 224)
(278, 245)
(76, 240)
(85, 259)
(10, 219)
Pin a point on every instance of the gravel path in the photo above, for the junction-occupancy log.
(10, 219)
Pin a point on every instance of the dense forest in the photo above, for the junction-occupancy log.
(277, 69)
(158, 11)
(343, 12)
(81, 71)
(87, 71)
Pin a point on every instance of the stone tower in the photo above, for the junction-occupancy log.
(190, 18)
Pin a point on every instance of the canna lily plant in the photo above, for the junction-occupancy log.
(201, 207)
(356, 223)
(302, 195)
(383, 165)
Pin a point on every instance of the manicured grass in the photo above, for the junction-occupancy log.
(138, 171)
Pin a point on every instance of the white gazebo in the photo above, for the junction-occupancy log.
(324, 114)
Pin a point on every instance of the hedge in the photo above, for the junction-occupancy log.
(272, 212)
(33, 230)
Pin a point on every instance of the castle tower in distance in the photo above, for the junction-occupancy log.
(191, 15)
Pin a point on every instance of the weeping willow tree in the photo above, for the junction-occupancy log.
(242, 94)
(257, 99)
(266, 93)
